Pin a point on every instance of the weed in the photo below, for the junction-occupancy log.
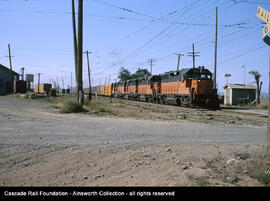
(255, 106)
(231, 180)
(71, 107)
(261, 176)
(101, 108)
(242, 156)
(201, 180)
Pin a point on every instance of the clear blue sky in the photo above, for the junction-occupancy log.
(129, 32)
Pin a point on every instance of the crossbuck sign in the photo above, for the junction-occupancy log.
(264, 15)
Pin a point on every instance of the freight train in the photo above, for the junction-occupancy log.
(187, 87)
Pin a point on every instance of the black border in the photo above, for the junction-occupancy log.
(141, 193)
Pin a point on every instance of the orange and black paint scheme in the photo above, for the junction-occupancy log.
(186, 87)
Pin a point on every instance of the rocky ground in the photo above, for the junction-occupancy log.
(141, 144)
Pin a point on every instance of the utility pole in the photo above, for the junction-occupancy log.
(215, 64)
(57, 88)
(193, 54)
(63, 85)
(178, 62)
(80, 53)
(244, 67)
(151, 64)
(74, 40)
(10, 56)
(267, 154)
(89, 75)
(264, 15)
(38, 81)
(71, 84)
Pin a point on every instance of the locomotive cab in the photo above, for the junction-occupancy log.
(201, 87)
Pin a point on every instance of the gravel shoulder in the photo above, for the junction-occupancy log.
(42, 147)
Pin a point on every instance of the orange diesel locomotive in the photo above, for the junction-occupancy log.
(187, 87)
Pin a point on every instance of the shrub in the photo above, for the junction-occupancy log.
(242, 156)
(71, 107)
(261, 176)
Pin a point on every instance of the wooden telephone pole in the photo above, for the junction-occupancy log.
(215, 64)
(10, 65)
(193, 54)
(75, 42)
(151, 65)
(79, 87)
(178, 62)
(38, 81)
(10, 56)
(89, 75)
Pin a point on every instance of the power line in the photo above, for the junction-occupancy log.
(126, 9)
(166, 29)
(242, 54)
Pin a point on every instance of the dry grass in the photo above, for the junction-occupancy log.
(70, 107)
(100, 108)
(255, 106)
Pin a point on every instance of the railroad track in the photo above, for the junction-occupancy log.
(172, 112)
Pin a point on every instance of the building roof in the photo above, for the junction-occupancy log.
(7, 69)
(239, 86)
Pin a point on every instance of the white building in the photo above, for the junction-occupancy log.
(238, 94)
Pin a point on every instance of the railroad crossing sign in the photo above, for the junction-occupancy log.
(264, 15)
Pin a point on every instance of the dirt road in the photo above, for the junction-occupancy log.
(39, 146)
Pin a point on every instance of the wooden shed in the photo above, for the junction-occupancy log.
(239, 94)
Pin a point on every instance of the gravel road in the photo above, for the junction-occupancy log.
(32, 122)
(41, 147)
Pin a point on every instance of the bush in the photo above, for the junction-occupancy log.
(242, 156)
(262, 177)
(71, 107)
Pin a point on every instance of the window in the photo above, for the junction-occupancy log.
(197, 76)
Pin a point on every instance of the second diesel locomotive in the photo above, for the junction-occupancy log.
(186, 87)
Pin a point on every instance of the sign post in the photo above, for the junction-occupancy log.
(264, 15)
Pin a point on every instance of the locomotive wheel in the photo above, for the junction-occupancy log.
(163, 101)
(178, 100)
(186, 102)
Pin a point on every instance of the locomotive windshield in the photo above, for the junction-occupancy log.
(199, 76)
